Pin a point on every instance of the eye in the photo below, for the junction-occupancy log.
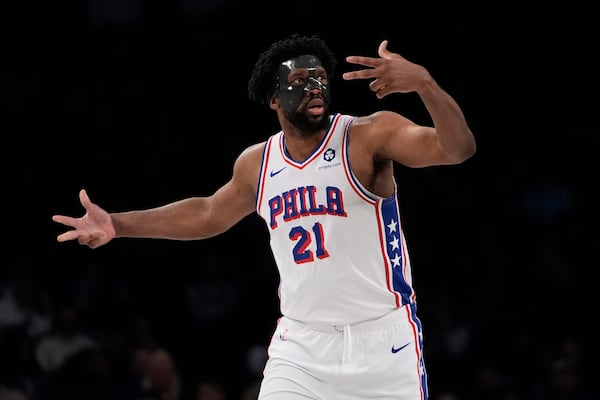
(298, 81)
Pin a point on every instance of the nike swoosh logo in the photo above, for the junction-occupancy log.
(273, 173)
(395, 350)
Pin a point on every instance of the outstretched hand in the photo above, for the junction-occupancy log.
(94, 229)
(391, 73)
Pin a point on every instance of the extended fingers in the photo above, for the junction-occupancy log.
(361, 74)
(63, 219)
(368, 73)
(69, 221)
(372, 62)
(362, 60)
(69, 235)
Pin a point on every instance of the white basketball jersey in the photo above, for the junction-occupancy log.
(340, 250)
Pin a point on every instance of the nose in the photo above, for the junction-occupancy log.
(313, 84)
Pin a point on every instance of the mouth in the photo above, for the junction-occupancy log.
(315, 107)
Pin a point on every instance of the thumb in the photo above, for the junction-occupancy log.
(383, 51)
(84, 199)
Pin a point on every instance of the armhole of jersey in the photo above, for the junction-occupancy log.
(262, 173)
(352, 179)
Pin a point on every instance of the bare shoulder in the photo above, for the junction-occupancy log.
(247, 165)
(379, 123)
(251, 155)
(381, 118)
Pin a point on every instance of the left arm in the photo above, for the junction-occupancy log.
(395, 137)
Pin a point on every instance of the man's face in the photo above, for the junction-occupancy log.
(303, 91)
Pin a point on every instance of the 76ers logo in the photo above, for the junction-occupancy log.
(329, 155)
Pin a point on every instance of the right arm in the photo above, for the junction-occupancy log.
(188, 219)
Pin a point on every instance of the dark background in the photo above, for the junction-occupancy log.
(144, 102)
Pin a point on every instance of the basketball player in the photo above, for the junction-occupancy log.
(325, 187)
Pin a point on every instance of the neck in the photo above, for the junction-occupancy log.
(300, 145)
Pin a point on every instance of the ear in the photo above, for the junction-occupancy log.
(274, 103)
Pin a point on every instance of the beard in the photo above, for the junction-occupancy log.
(308, 124)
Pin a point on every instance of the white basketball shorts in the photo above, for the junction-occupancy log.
(378, 359)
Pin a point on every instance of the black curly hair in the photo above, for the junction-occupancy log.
(261, 86)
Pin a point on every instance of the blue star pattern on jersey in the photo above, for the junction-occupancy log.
(394, 244)
(395, 248)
